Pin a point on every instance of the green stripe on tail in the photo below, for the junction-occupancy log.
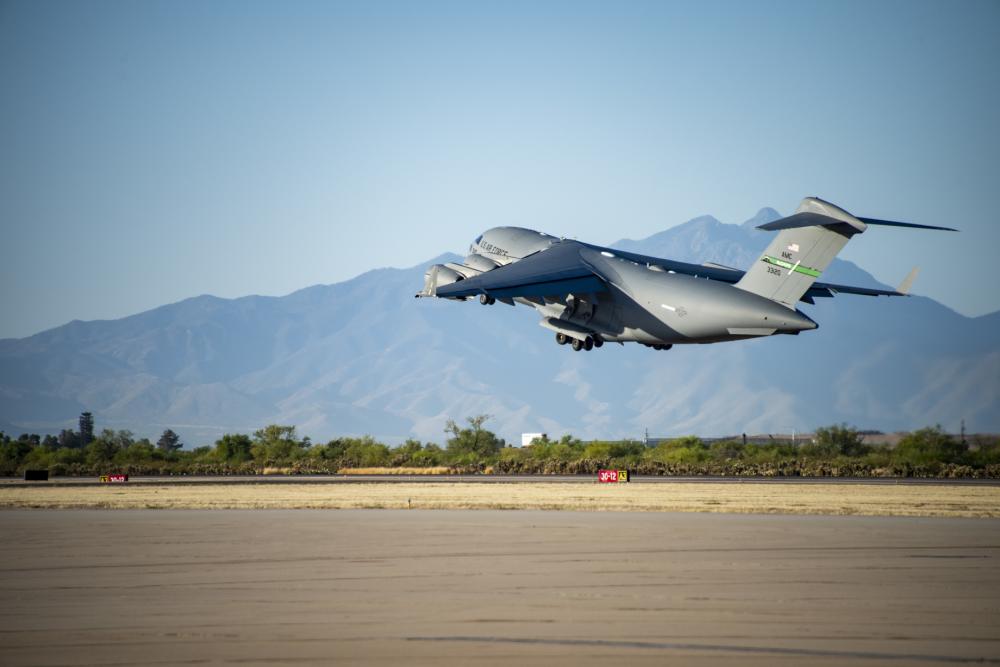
(798, 268)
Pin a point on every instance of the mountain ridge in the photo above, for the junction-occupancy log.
(363, 356)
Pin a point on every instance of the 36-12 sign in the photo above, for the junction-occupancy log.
(114, 479)
(612, 476)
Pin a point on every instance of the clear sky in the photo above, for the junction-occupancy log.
(151, 151)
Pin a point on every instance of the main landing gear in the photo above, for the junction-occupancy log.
(486, 300)
(588, 343)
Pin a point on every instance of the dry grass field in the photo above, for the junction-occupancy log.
(749, 498)
(433, 470)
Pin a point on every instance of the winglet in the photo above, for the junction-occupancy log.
(904, 287)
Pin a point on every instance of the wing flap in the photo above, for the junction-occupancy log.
(551, 288)
(715, 272)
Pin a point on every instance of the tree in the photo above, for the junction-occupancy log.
(929, 445)
(688, 449)
(138, 453)
(86, 428)
(68, 439)
(430, 455)
(169, 442)
(12, 452)
(234, 447)
(837, 440)
(103, 448)
(364, 452)
(277, 443)
(406, 454)
(123, 438)
(107, 445)
(474, 444)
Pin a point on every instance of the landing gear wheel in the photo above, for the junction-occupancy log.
(562, 338)
(598, 341)
(486, 300)
(588, 343)
(577, 345)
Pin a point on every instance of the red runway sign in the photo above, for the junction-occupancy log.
(612, 476)
(114, 479)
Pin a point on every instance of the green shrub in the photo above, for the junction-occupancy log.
(929, 446)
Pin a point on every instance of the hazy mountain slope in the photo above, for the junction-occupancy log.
(364, 356)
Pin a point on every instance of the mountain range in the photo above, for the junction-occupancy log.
(364, 357)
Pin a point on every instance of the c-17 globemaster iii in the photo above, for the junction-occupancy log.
(589, 295)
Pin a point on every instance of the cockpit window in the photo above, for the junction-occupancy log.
(478, 239)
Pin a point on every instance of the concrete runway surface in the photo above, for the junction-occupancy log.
(388, 587)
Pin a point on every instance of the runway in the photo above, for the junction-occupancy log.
(387, 587)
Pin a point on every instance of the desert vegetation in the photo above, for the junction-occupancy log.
(835, 451)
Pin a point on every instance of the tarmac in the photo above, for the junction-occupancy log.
(388, 587)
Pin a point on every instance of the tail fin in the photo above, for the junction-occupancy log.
(805, 245)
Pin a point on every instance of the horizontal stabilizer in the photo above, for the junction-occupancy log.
(831, 289)
(810, 219)
(890, 223)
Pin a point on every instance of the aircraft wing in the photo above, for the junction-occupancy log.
(722, 273)
(560, 270)
(555, 271)
(729, 275)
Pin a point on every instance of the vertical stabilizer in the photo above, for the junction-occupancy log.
(805, 245)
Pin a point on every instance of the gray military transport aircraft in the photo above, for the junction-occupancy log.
(589, 295)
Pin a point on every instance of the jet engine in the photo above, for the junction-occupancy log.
(479, 262)
(439, 275)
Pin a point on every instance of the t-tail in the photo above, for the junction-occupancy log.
(805, 245)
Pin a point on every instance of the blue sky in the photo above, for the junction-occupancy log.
(152, 151)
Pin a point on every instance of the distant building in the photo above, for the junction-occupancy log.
(526, 438)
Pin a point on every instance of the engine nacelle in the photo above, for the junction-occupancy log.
(439, 275)
(479, 262)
